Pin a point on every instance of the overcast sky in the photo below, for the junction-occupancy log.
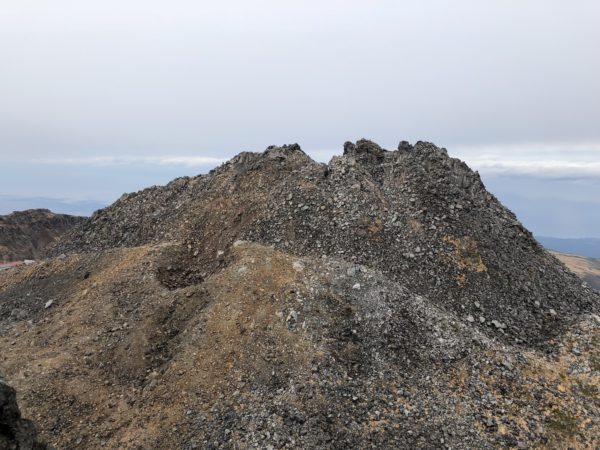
(100, 97)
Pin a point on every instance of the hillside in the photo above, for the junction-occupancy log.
(27, 234)
(383, 300)
(588, 269)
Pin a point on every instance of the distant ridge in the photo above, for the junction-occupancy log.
(10, 203)
(588, 269)
(26, 234)
(589, 247)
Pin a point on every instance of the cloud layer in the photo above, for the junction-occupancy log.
(556, 160)
(142, 77)
(107, 161)
(562, 160)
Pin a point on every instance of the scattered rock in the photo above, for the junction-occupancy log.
(334, 305)
(292, 320)
(498, 324)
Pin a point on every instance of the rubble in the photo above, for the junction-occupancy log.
(383, 300)
(418, 215)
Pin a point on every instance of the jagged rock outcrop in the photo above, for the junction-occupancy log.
(383, 300)
(419, 216)
(16, 433)
(26, 234)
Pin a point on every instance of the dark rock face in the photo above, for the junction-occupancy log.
(16, 433)
(26, 234)
(419, 216)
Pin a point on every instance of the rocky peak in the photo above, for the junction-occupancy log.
(418, 215)
(285, 151)
(384, 300)
(404, 146)
(364, 151)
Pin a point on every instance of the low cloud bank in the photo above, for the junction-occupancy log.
(557, 160)
(105, 161)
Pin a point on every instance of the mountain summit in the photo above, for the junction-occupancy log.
(420, 217)
(383, 300)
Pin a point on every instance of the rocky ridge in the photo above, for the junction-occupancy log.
(26, 234)
(383, 300)
(419, 216)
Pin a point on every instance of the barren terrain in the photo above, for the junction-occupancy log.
(586, 268)
(385, 300)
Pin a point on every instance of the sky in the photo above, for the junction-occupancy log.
(98, 98)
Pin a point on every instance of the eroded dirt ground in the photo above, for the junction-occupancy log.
(276, 350)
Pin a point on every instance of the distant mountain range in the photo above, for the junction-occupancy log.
(589, 247)
(9, 203)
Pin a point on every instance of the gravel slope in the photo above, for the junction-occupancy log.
(384, 300)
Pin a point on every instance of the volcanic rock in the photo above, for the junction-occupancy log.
(369, 206)
(383, 300)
